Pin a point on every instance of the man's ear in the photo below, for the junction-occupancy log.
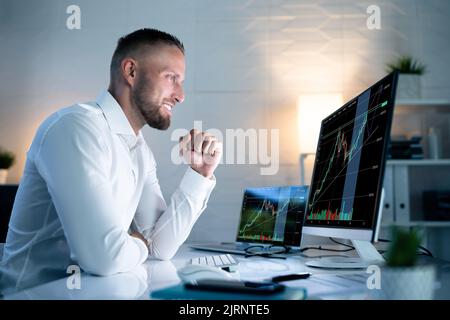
(128, 68)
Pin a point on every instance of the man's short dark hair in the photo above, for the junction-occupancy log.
(134, 41)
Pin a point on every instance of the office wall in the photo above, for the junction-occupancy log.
(247, 63)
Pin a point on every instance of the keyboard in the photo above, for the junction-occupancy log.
(224, 261)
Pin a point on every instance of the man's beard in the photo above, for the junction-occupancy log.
(150, 111)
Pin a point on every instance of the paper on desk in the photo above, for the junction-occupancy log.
(322, 285)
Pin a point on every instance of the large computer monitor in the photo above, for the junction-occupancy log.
(345, 195)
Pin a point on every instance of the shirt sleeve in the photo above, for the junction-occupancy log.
(74, 161)
(164, 226)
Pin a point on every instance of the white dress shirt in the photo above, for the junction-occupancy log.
(88, 181)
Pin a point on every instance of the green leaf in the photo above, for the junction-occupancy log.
(7, 159)
(406, 65)
(403, 249)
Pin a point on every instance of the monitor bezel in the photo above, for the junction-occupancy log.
(350, 233)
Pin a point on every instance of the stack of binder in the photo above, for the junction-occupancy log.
(406, 149)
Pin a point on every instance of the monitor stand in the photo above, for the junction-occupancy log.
(368, 255)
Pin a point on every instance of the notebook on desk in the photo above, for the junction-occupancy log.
(181, 292)
(271, 217)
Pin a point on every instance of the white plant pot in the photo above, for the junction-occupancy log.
(409, 283)
(409, 87)
(3, 175)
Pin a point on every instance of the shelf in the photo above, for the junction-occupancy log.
(422, 103)
(423, 162)
(419, 223)
(418, 106)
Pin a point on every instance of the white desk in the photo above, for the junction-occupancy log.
(154, 275)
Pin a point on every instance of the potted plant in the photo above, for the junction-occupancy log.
(7, 159)
(410, 70)
(403, 277)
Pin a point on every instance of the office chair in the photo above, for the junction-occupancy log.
(7, 196)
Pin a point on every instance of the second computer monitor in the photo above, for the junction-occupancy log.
(273, 215)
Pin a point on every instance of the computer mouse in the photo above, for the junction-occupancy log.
(192, 272)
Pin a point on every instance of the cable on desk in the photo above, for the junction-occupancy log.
(325, 249)
(425, 252)
(325, 256)
(342, 244)
(350, 248)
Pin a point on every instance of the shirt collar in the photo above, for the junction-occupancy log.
(117, 120)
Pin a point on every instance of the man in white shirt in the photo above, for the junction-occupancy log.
(89, 195)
